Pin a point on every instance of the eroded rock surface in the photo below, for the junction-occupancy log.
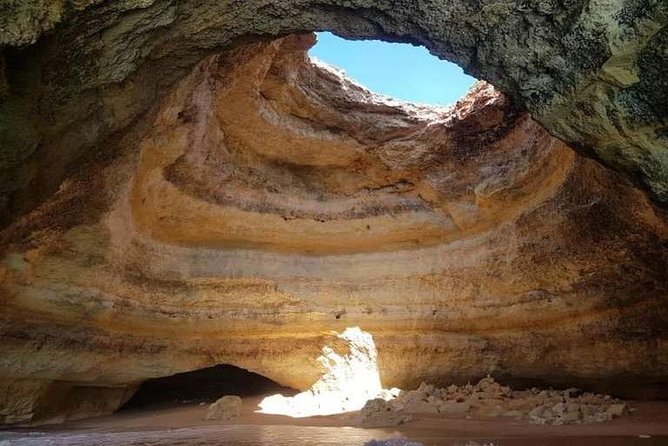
(381, 413)
(266, 201)
(225, 408)
(73, 73)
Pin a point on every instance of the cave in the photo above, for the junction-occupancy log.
(182, 186)
(200, 386)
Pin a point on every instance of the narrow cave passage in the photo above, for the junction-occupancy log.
(201, 386)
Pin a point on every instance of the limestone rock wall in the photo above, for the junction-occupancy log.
(265, 201)
(76, 72)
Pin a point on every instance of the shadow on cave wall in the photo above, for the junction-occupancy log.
(203, 386)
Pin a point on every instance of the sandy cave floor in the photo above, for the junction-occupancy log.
(182, 423)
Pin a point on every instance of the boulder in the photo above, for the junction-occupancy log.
(225, 409)
(381, 413)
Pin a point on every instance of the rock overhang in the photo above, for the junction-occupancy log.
(203, 239)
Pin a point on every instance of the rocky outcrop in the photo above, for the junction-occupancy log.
(266, 200)
(55, 401)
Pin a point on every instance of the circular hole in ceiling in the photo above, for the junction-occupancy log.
(398, 70)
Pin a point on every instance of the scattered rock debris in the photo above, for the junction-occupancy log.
(489, 398)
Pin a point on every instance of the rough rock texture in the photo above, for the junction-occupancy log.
(489, 398)
(225, 408)
(381, 413)
(591, 71)
(266, 201)
(24, 400)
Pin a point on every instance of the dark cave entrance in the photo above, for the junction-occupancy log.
(202, 386)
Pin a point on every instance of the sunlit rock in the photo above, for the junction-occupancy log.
(251, 200)
(351, 378)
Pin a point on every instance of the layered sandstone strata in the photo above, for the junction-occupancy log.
(74, 73)
(267, 200)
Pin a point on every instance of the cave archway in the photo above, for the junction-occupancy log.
(202, 386)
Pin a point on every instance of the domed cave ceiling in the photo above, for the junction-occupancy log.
(183, 187)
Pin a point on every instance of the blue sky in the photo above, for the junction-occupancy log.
(395, 69)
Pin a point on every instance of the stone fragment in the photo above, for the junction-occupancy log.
(381, 413)
(571, 417)
(617, 410)
(421, 400)
(226, 408)
(453, 407)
